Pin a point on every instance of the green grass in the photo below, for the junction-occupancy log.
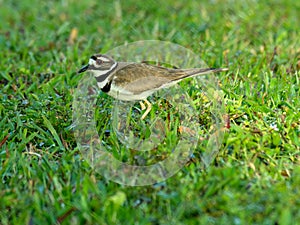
(255, 177)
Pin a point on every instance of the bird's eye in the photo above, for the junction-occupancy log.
(99, 61)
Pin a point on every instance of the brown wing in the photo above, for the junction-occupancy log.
(140, 77)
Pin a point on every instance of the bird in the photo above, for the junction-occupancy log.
(132, 81)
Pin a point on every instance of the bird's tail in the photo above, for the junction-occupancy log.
(197, 72)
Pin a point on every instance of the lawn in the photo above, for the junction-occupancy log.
(254, 178)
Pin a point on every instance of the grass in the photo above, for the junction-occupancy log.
(255, 177)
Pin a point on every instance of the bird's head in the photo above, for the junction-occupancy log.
(100, 65)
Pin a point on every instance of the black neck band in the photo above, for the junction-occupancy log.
(107, 87)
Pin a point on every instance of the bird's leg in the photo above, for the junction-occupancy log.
(142, 105)
(149, 106)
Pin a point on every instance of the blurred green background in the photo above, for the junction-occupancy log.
(254, 179)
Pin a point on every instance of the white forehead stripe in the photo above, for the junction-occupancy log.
(91, 61)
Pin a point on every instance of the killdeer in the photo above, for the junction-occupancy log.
(130, 81)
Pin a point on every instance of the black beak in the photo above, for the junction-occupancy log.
(83, 69)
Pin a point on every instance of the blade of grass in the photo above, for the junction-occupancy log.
(48, 124)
